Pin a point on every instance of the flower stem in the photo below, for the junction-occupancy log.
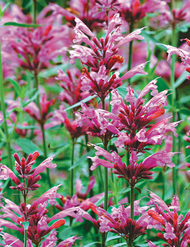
(34, 10)
(42, 127)
(72, 170)
(131, 26)
(25, 238)
(8, 145)
(132, 202)
(172, 80)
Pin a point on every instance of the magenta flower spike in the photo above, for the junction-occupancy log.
(174, 227)
(33, 110)
(135, 117)
(133, 172)
(71, 84)
(119, 221)
(101, 56)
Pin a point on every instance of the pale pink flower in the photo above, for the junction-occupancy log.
(49, 196)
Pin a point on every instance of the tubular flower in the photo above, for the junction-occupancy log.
(174, 227)
(75, 128)
(35, 214)
(98, 122)
(34, 48)
(71, 84)
(184, 55)
(79, 199)
(24, 169)
(119, 221)
(34, 111)
(100, 56)
(135, 116)
(134, 11)
(133, 172)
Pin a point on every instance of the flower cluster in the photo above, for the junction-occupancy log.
(133, 172)
(119, 221)
(135, 117)
(101, 56)
(174, 227)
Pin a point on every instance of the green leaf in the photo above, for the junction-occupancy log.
(16, 86)
(185, 111)
(82, 159)
(93, 243)
(3, 10)
(181, 79)
(28, 146)
(185, 99)
(80, 102)
(121, 244)
(25, 103)
(25, 224)
(112, 238)
(10, 23)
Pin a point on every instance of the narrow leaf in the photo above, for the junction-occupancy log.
(82, 159)
(28, 146)
(80, 102)
(10, 23)
(16, 86)
(181, 79)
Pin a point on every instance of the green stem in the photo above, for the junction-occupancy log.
(8, 145)
(72, 170)
(130, 49)
(34, 10)
(25, 238)
(172, 80)
(132, 214)
(42, 127)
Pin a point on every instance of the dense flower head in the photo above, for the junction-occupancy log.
(74, 128)
(98, 122)
(174, 227)
(40, 115)
(133, 172)
(102, 56)
(135, 116)
(119, 221)
(71, 84)
(79, 198)
(34, 48)
(135, 10)
(25, 171)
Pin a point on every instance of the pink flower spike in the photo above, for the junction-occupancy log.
(138, 69)
(130, 37)
(45, 164)
(50, 195)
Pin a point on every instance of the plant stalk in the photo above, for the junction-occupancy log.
(131, 26)
(72, 170)
(8, 145)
